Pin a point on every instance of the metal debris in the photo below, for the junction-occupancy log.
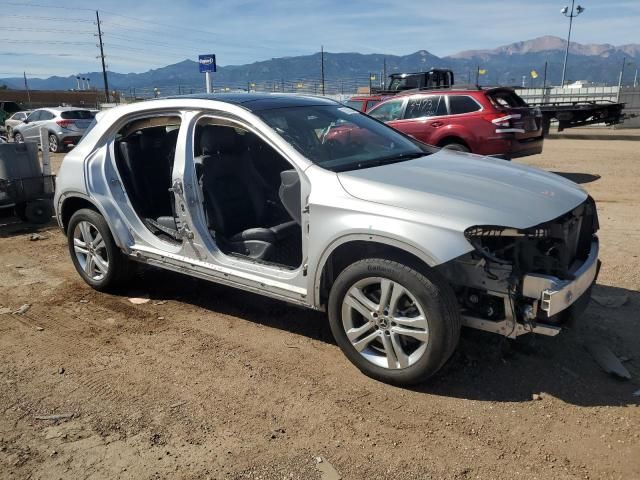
(607, 360)
(23, 309)
(327, 471)
(60, 416)
(139, 300)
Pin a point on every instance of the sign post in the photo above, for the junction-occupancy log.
(207, 64)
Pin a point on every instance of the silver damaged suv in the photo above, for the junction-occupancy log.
(311, 202)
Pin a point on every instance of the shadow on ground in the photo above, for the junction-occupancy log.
(579, 177)
(485, 366)
(11, 226)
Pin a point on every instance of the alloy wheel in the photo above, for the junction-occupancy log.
(90, 250)
(53, 143)
(385, 323)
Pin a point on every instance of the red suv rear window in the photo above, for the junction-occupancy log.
(506, 98)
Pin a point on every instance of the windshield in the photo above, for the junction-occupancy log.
(339, 138)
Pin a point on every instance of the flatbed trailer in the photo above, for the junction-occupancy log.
(579, 114)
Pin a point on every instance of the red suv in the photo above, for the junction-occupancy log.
(494, 121)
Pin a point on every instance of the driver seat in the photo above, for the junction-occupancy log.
(234, 206)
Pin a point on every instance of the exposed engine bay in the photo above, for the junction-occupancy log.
(506, 284)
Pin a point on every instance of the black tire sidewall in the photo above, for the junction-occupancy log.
(32, 208)
(16, 136)
(457, 147)
(426, 290)
(115, 257)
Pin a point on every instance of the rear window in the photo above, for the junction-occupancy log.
(462, 104)
(77, 115)
(357, 104)
(506, 99)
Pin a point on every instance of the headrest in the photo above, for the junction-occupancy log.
(217, 139)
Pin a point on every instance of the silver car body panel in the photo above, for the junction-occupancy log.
(422, 206)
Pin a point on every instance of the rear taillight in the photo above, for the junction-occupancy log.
(504, 121)
(65, 123)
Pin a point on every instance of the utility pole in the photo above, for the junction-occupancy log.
(544, 81)
(322, 66)
(384, 72)
(477, 75)
(104, 68)
(26, 87)
(624, 61)
(571, 15)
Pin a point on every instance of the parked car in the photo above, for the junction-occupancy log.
(15, 119)
(495, 121)
(401, 243)
(362, 103)
(7, 109)
(66, 125)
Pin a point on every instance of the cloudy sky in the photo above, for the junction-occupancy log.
(44, 37)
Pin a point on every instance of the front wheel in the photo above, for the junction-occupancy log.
(94, 253)
(394, 323)
(18, 138)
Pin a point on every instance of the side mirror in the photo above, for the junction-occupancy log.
(26, 120)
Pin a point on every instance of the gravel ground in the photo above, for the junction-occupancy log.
(204, 381)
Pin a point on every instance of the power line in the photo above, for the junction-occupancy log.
(52, 19)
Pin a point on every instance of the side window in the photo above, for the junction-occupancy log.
(462, 104)
(426, 106)
(34, 116)
(387, 111)
(44, 115)
(371, 104)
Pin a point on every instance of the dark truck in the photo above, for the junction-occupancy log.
(567, 114)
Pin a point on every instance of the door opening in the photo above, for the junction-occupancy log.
(144, 152)
(251, 194)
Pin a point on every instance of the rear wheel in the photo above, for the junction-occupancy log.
(54, 145)
(458, 147)
(94, 253)
(394, 323)
(18, 138)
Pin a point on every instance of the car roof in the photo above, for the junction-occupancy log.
(261, 101)
(61, 109)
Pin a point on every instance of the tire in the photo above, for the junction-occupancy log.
(421, 327)
(9, 132)
(20, 210)
(458, 147)
(38, 211)
(18, 138)
(54, 144)
(114, 269)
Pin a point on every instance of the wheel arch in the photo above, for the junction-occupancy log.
(343, 253)
(70, 203)
(452, 138)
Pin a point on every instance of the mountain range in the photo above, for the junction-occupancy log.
(509, 64)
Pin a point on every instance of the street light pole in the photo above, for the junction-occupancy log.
(570, 14)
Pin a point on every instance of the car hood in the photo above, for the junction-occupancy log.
(459, 190)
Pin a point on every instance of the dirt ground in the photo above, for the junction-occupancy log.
(205, 381)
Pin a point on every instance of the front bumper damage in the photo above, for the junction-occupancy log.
(528, 281)
(555, 295)
(550, 297)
